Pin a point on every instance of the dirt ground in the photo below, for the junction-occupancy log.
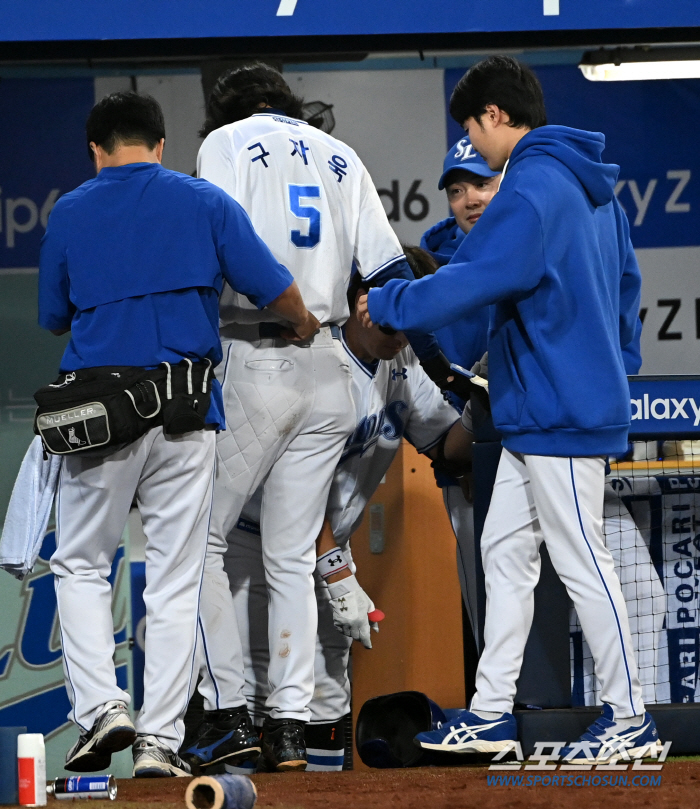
(433, 787)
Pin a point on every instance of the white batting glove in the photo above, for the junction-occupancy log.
(351, 606)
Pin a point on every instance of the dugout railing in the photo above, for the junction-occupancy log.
(652, 523)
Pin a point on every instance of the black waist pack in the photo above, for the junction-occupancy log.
(109, 407)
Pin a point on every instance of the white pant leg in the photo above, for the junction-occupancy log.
(461, 514)
(568, 494)
(175, 500)
(92, 506)
(267, 397)
(295, 495)
(173, 478)
(244, 565)
(510, 555)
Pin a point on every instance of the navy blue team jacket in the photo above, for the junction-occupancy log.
(133, 262)
(553, 252)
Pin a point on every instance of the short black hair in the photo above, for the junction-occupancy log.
(238, 94)
(504, 81)
(357, 283)
(125, 119)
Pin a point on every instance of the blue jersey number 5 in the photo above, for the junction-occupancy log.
(313, 237)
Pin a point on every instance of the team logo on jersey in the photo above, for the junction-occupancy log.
(388, 424)
(465, 151)
(402, 374)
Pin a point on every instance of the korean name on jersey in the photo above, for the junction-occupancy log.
(310, 199)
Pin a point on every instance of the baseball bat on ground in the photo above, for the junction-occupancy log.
(221, 792)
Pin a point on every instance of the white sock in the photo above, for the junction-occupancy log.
(489, 715)
(630, 722)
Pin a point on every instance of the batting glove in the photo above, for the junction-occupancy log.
(351, 606)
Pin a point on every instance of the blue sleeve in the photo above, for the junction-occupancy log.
(399, 268)
(246, 261)
(55, 307)
(630, 324)
(425, 346)
(502, 258)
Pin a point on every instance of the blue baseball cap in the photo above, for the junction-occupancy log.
(464, 156)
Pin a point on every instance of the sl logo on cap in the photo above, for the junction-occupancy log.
(465, 150)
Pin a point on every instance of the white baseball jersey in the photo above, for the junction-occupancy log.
(311, 200)
(393, 399)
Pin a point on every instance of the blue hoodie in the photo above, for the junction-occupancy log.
(553, 252)
(464, 341)
(442, 240)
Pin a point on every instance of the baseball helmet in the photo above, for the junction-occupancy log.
(387, 726)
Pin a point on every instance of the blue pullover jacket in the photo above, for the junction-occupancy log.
(553, 252)
(464, 341)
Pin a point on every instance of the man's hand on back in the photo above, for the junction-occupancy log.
(303, 331)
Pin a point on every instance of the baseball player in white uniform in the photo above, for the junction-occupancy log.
(393, 398)
(288, 406)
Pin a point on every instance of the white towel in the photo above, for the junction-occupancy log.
(29, 510)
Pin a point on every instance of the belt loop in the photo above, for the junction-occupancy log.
(335, 331)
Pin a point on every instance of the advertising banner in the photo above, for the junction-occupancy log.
(652, 528)
(32, 690)
(86, 19)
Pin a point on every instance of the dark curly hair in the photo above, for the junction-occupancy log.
(240, 92)
(504, 81)
(420, 261)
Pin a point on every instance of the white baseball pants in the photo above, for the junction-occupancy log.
(289, 411)
(461, 514)
(331, 698)
(172, 478)
(559, 501)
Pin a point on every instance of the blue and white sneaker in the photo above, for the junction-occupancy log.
(468, 733)
(602, 743)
